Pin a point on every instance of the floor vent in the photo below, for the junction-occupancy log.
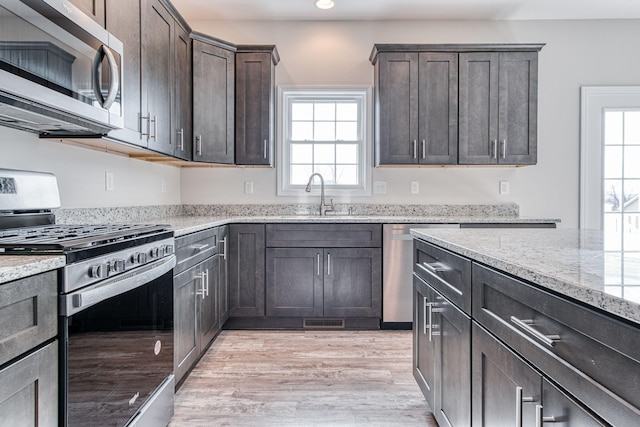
(323, 323)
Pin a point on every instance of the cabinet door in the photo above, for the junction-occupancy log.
(559, 409)
(181, 135)
(254, 108)
(438, 108)
(424, 340)
(353, 282)
(157, 75)
(452, 329)
(478, 109)
(505, 390)
(294, 282)
(246, 270)
(213, 103)
(517, 129)
(93, 8)
(397, 108)
(207, 296)
(29, 389)
(223, 273)
(123, 21)
(186, 351)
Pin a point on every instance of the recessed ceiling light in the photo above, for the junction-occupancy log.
(324, 4)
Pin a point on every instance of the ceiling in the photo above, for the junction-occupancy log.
(374, 10)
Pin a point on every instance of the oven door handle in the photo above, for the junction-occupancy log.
(82, 299)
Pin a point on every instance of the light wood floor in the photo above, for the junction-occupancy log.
(304, 378)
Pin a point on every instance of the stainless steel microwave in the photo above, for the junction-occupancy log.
(60, 71)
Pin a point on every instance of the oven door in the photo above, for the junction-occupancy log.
(117, 347)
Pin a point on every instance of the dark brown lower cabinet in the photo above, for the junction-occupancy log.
(323, 282)
(507, 391)
(246, 270)
(442, 355)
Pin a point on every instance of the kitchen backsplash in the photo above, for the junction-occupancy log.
(147, 214)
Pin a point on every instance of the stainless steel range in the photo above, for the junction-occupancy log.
(116, 305)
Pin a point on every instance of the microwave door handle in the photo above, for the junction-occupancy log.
(114, 85)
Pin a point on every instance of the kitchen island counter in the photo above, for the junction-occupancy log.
(568, 262)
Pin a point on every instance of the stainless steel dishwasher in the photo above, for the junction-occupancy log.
(397, 267)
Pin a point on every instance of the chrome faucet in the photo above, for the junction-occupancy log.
(323, 207)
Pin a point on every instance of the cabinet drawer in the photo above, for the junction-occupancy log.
(28, 314)
(445, 271)
(194, 248)
(593, 356)
(324, 235)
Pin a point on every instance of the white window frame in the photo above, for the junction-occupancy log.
(594, 100)
(285, 94)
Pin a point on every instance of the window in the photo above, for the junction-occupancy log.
(610, 182)
(324, 131)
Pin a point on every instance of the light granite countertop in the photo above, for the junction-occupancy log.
(14, 267)
(567, 261)
(183, 225)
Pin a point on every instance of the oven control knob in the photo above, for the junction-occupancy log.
(139, 258)
(168, 249)
(154, 252)
(117, 265)
(98, 271)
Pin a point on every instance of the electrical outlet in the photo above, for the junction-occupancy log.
(379, 187)
(415, 187)
(163, 185)
(504, 187)
(248, 187)
(109, 184)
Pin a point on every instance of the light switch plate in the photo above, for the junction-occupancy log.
(248, 187)
(415, 187)
(504, 187)
(109, 181)
(379, 187)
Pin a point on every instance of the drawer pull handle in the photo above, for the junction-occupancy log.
(200, 248)
(436, 267)
(525, 324)
(519, 401)
(541, 419)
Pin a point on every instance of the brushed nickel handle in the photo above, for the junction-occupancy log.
(415, 149)
(153, 120)
(206, 280)
(493, 149)
(519, 401)
(436, 267)
(541, 419)
(318, 262)
(525, 324)
(430, 313)
(199, 145)
(224, 248)
(148, 119)
(328, 264)
(264, 149)
(424, 149)
(181, 133)
(201, 291)
(200, 248)
(425, 306)
(504, 148)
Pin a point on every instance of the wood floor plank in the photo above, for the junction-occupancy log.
(304, 378)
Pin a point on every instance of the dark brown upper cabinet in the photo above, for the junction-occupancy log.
(213, 100)
(455, 104)
(255, 104)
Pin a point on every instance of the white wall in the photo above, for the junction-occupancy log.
(577, 53)
(336, 53)
(81, 172)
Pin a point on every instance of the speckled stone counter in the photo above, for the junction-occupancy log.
(568, 262)
(190, 224)
(14, 267)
